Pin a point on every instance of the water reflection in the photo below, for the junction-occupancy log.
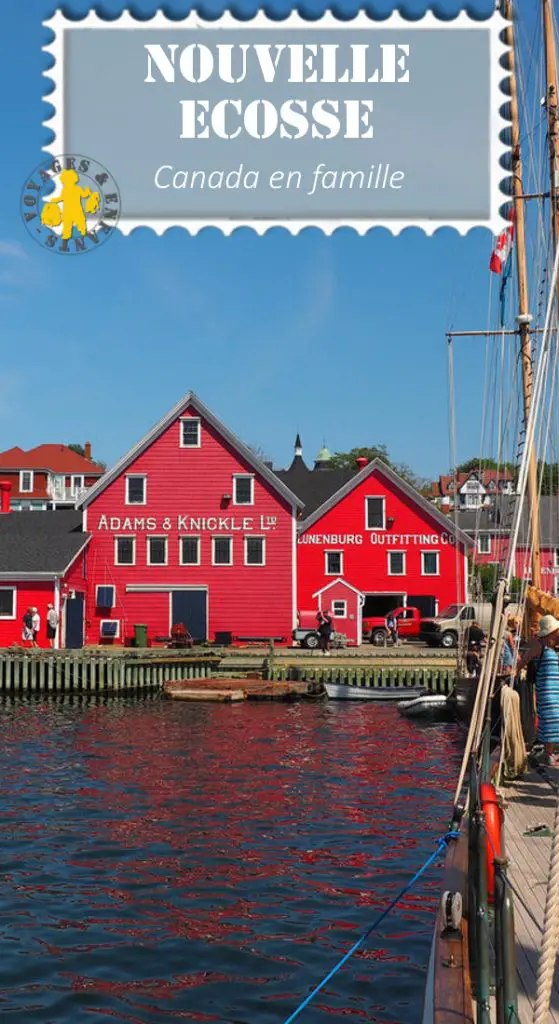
(164, 861)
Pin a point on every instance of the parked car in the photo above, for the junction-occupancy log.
(409, 622)
(444, 630)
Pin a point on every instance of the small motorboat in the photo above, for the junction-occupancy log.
(348, 691)
(429, 705)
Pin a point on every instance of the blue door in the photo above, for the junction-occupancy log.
(74, 621)
(190, 608)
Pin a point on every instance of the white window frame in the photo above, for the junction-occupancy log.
(486, 537)
(116, 636)
(394, 551)
(125, 536)
(333, 551)
(222, 565)
(157, 536)
(438, 572)
(189, 536)
(377, 497)
(6, 618)
(243, 476)
(556, 558)
(339, 615)
(255, 565)
(105, 586)
(136, 476)
(31, 474)
(190, 419)
(77, 487)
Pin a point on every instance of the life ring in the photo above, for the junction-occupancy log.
(493, 817)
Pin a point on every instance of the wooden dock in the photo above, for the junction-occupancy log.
(125, 670)
(530, 801)
(250, 689)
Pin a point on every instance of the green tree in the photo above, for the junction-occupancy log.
(348, 460)
(475, 464)
(77, 448)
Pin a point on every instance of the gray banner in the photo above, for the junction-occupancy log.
(429, 157)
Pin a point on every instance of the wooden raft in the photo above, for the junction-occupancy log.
(251, 689)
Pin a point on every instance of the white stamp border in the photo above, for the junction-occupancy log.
(495, 25)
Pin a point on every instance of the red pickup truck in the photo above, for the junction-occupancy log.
(374, 627)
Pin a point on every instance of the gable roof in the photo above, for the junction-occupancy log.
(445, 484)
(314, 486)
(498, 519)
(333, 583)
(56, 457)
(401, 485)
(190, 401)
(40, 545)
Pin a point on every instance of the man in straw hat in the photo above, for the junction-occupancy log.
(543, 650)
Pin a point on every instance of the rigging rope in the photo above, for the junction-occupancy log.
(548, 950)
(442, 845)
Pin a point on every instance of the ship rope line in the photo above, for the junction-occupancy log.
(486, 682)
(490, 662)
(442, 845)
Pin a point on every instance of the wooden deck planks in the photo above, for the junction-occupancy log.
(530, 801)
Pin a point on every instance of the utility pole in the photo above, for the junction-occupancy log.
(524, 317)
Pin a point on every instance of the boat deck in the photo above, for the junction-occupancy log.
(530, 801)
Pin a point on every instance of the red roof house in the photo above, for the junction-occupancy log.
(47, 476)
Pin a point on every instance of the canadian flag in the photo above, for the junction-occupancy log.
(502, 248)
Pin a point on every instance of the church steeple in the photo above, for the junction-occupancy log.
(298, 446)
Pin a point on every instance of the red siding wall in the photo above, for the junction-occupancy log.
(350, 623)
(191, 482)
(28, 595)
(499, 554)
(39, 484)
(365, 552)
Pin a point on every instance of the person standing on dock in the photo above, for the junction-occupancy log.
(27, 631)
(36, 625)
(324, 631)
(543, 649)
(52, 624)
(392, 627)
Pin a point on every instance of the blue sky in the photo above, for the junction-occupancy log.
(341, 338)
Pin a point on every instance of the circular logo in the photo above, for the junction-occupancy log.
(70, 204)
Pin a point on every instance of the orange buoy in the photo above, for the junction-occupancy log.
(493, 817)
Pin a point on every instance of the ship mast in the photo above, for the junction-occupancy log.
(524, 317)
(552, 118)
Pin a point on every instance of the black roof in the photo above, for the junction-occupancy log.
(313, 486)
(499, 519)
(40, 542)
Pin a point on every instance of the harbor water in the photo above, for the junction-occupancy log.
(163, 861)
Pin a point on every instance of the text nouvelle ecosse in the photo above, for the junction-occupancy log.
(299, 64)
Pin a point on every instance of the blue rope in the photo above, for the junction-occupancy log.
(441, 845)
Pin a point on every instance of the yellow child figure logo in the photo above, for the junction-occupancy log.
(72, 214)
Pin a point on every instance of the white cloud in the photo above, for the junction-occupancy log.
(10, 248)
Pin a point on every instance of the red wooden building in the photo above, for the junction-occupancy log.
(490, 530)
(48, 476)
(42, 555)
(377, 539)
(190, 527)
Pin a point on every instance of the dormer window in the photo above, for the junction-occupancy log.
(190, 432)
(26, 481)
(243, 489)
(136, 490)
